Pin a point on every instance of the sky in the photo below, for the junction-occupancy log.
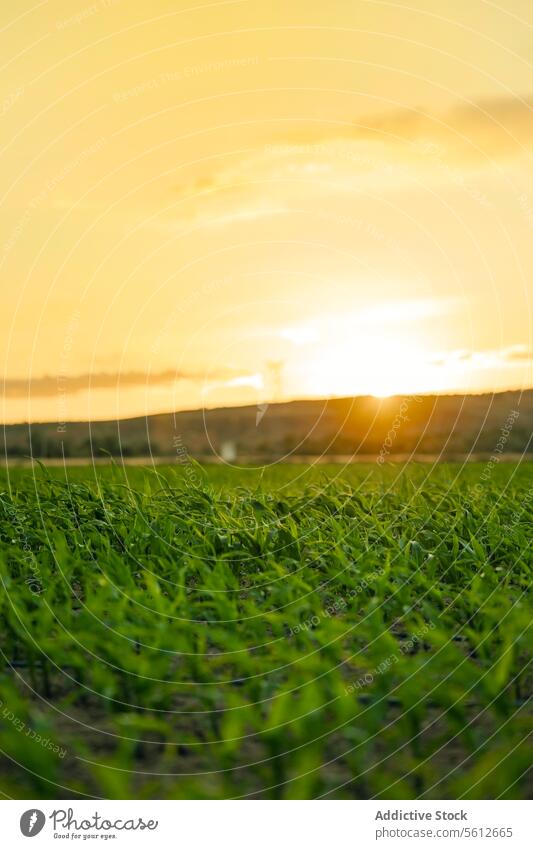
(212, 204)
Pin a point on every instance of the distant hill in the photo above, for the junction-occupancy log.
(444, 425)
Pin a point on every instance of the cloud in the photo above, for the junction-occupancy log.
(467, 135)
(487, 358)
(48, 386)
(494, 127)
(518, 352)
(491, 127)
(245, 214)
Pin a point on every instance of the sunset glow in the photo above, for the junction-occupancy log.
(207, 191)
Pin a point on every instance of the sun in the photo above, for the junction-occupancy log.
(354, 360)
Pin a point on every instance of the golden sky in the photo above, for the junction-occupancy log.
(231, 202)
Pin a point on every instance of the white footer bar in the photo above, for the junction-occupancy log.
(267, 824)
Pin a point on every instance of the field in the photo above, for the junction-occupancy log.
(200, 632)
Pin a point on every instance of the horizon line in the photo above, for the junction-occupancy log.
(277, 402)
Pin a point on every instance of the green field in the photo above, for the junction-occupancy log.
(293, 633)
